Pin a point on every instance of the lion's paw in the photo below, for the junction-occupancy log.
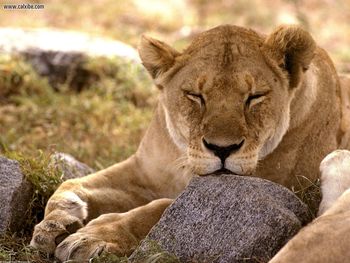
(106, 233)
(80, 246)
(53, 230)
(335, 179)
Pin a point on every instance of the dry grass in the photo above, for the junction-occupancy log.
(103, 124)
(14, 248)
(310, 193)
(100, 125)
(44, 179)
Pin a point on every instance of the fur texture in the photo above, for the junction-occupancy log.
(234, 101)
(327, 238)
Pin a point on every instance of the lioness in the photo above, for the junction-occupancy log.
(233, 102)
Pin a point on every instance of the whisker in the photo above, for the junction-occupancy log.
(178, 163)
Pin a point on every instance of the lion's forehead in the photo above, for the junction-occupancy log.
(211, 80)
(226, 41)
(226, 51)
(225, 63)
(226, 84)
(222, 60)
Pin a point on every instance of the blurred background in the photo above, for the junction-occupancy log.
(172, 20)
(71, 81)
(102, 122)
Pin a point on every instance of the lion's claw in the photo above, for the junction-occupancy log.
(53, 230)
(80, 246)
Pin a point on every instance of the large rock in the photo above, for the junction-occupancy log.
(61, 56)
(69, 166)
(20, 40)
(15, 194)
(227, 219)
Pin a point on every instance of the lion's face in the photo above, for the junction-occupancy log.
(226, 102)
(226, 119)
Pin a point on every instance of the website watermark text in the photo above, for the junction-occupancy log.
(23, 6)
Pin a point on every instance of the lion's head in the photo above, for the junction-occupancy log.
(226, 97)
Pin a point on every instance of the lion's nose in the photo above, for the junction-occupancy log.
(223, 151)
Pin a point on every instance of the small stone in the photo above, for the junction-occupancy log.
(227, 219)
(15, 195)
(69, 166)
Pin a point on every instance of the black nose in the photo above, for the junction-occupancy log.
(223, 151)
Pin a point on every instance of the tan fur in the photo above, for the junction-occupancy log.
(345, 123)
(327, 238)
(274, 99)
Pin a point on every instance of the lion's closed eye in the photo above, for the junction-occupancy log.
(255, 99)
(198, 98)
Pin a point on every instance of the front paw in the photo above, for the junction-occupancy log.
(81, 247)
(53, 230)
(104, 234)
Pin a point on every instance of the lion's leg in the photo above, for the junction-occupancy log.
(326, 238)
(118, 188)
(117, 233)
(345, 106)
(335, 177)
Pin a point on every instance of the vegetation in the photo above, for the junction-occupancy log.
(173, 20)
(45, 179)
(100, 125)
(153, 253)
(104, 122)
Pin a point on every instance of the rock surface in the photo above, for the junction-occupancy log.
(15, 194)
(227, 219)
(69, 166)
(61, 55)
(19, 40)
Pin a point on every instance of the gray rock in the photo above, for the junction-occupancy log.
(61, 55)
(15, 195)
(69, 166)
(61, 67)
(227, 219)
(20, 40)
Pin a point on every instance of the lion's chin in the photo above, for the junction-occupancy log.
(223, 171)
(219, 172)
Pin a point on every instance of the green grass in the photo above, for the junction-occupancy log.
(14, 248)
(44, 179)
(100, 125)
(153, 253)
(104, 123)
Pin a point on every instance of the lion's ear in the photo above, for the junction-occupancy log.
(156, 56)
(293, 48)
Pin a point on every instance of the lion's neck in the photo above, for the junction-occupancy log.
(159, 155)
(314, 125)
